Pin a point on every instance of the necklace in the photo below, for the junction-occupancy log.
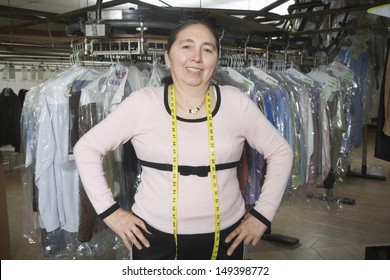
(192, 111)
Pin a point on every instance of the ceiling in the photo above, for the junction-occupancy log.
(46, 29)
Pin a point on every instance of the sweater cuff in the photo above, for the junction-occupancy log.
(260, 217)
(109, 211)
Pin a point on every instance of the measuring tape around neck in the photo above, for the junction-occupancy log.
(175, 171)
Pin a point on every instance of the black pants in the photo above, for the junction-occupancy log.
(190, 246)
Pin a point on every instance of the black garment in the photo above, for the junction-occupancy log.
(382, 141)
(10, 114)
(88, 217)
(74, 102)
(190, 246)
(124, 171)
(22, 96)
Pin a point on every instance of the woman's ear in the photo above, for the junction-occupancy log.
(166, 58)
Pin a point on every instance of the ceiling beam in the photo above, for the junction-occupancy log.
(63, 16)
(329, 12)
(12, 11)
(268, 8)
(338, 29)
(32, 38)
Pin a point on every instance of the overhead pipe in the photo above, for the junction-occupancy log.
(329, 12)
(99, 11)
(305, 5)
(141, 29)
(135, 24)
(266, 9)
(18, 52)
(25, 56)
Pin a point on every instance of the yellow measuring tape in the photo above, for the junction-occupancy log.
(213, 171)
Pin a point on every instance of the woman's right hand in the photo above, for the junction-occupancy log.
(127, 225)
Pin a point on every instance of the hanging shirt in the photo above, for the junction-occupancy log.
(55, 176)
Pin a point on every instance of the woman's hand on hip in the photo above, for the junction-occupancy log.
(249, 231)
(127, 225)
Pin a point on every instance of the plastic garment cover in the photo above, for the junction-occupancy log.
(222, 76)
(74, 100)
(264, 92)
(53, 177)
(157, 74)
(326, 141)
(88, 118)
(121, 165)
(251, 178)
(274, 99)
(359, 61)
(279, 108)
(284, 120)
(29, 127)
(52, 170)
(352, 114)
(255, 161)
(50, 178)
(96, 101)
(320, 157)
(331, 92)
(276, 102)
(31, 114)
(299, 164)
(62, 239)
(304, 122)
(95, 238)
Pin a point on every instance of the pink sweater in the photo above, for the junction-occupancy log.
(144, 119)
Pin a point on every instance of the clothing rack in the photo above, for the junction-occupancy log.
(363, 172)
(329, 197)
(281, 239)
(137, 48)
(285, 240)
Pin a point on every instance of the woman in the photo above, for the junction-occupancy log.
(189, 136)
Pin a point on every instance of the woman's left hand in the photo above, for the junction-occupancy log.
(249, 231)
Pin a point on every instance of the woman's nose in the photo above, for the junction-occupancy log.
(197, 56)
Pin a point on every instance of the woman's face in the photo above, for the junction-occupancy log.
(193, 56)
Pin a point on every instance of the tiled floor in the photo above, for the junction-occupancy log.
(326, 230)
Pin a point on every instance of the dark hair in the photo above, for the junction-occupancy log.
(173, 36)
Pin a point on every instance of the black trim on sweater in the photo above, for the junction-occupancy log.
(109, 211)
(186, 170)
(260, 217)
(216, 108)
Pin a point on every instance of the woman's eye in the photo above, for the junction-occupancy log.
(208, 50)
